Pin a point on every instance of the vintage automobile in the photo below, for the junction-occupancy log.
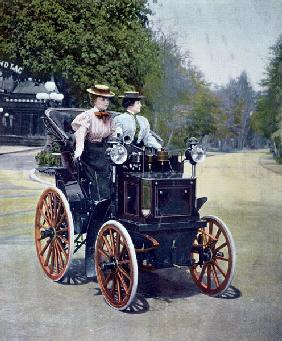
(151, 221)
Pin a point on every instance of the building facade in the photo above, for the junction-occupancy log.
(20, 109)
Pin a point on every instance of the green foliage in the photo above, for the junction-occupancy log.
(84, 42)
(269, 107)
(109, 42)
(45, 158)
(182, 105)
(237, 102)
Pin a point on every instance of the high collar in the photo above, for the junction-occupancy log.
(131, 113)
(96, 109)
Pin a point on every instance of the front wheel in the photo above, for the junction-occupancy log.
(54, 233)
(214, 258)
(116, 265)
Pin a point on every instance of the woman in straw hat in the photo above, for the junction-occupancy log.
(133, 125)
(92, 127)
(95, 124)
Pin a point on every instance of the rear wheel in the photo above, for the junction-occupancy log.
(54, 233)
(215, 246)
(116, 265)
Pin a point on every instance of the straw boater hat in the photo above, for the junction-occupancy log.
(100, 90)
(131, 95)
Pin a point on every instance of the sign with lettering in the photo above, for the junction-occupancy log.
(11, 66)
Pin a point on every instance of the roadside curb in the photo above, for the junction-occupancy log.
(33, 176)
(20, 151)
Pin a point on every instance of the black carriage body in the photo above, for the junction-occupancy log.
(156, 197)
(155, 200)
(163, 206)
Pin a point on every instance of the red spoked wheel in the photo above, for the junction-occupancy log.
(116, 265)
(215, 246)
(54, 233)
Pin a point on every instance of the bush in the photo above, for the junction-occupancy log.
(44, 158)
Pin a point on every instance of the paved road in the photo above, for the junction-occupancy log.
(244, 194)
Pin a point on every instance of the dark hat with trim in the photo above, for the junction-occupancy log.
(100, 90)
(131, 95)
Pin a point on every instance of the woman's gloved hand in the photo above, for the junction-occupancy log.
(77, 153)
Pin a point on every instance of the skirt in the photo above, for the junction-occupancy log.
(97, 169)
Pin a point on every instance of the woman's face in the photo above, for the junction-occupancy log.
(102, 103)
(136, 107)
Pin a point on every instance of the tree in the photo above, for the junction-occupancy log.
(86, 42)
(180, 100)
(238, 102)
(268, 118)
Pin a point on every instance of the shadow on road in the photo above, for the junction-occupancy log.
(231, 293)
(162, 285)
(75, 274)
(167, 285)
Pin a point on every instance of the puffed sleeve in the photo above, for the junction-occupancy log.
(81, 120)
(81, 126)
(148, 139)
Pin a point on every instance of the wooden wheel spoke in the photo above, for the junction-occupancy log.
(219, 268)
(52, 205)
(113, 287)
(107, 279)
(215, 276)
(124, 261)
(62, 248)
(107, 245)
(65, 229)
(202, 272)
(48, 255)
(45, 247)
(102, 252)
(40, 226)
(211, 238)
(60, 255)
(118, 288)
(55, 257)
(117, 245)
(52, 260)
(123, 282)
(220, 247)
(210, 227)
(221, 258)
(209, 276)
(45, 216)
(120, 268)
(205, 240)
(122, 251)
(112, 242)
(48, 211)
(58, 211)
(218, 233)
(61, 220)
(62, 238)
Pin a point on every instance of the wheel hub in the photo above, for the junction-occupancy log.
(110, 265)
(49, 232)
(207, 255)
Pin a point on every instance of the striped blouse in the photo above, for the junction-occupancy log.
(88, 126)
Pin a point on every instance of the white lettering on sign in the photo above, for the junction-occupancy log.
(11, 66)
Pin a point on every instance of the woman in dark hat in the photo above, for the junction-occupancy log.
(136, 127)
(92, 127)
